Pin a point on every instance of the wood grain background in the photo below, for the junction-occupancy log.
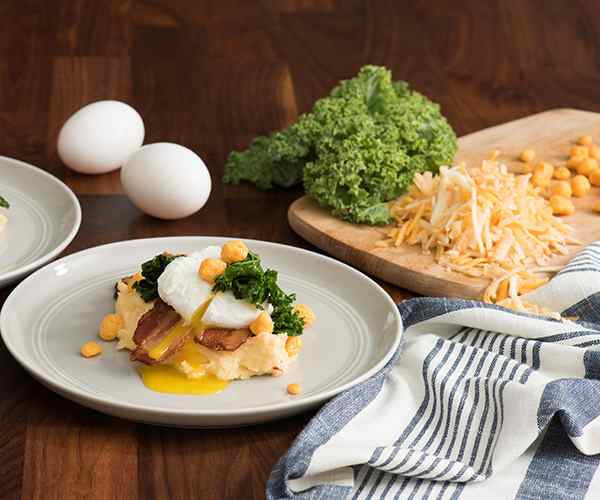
(211, 75)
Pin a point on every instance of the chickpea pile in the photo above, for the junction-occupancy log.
(559, 182)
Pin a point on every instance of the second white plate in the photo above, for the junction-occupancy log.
(43, 218)
(52, 313)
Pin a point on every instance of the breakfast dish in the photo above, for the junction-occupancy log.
(42, 219)
(214, 312)
(57, 310)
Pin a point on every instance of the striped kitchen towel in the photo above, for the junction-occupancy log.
(478, 403)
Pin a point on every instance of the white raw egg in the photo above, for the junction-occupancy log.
(166, 180)
(100, 137)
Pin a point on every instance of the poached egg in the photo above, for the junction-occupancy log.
(181, 287)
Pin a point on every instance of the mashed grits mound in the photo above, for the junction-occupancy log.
(131, 308)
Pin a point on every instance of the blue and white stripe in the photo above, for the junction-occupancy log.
(478, 401)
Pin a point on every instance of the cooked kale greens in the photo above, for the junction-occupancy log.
(4, 203)
(151, 271)
(356, 150)
(248, 281)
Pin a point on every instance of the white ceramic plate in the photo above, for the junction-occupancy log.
(52, 313)
(43, 218)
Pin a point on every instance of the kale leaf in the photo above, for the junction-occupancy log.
(151, 271)
(356, 150)
(248, 281)
(4, 203)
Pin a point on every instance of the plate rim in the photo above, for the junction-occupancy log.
(77, 395)
(48, 256)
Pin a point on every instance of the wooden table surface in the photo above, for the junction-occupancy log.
(211, 75)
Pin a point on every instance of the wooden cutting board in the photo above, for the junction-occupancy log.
(551, 134)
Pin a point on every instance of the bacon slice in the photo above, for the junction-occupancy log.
(153, 326)
(221, 339)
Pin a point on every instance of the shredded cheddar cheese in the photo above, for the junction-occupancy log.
(487, 223)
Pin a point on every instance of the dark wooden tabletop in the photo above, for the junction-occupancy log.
(211, 75)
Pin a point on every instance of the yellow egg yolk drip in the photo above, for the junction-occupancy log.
(168, 378)
(180, 330)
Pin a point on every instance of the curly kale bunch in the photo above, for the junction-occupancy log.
(356, 150)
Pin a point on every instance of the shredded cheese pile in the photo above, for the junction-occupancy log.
(484, 222)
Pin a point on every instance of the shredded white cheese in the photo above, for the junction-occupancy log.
(484, 222)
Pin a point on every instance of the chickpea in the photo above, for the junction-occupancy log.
(294, 389)
(574, 161)
(580, 185)
(293, 345)
(562, 173)
(597, 206)
(561, 205)
(585, 140)
(594, 177)
(586, 166)
(527, 168)
(211, 269)
(110, 326)
(579, 151)
(527, 155)
(262, 324)
(90, 349)
(562, 188)
(544, 169)
(306, 313)
(494, 155)
(234, 251)
(540, 180)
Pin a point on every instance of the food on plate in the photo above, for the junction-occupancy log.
(90, 349)
(166, 180)
(483, 222)
(3, 218)
(294, 389)
(110, 326)
(195, 330)
(100, 137)
(356, 150)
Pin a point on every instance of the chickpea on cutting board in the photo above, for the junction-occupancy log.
(556, 148)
